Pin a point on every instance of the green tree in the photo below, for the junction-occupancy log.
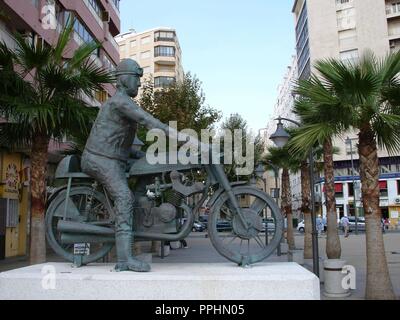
(42, 98)
(236, 122)
(281, 158)
(182, 101)
(364, 96)
(316, 108)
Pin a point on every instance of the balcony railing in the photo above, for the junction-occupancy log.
(113, 42)
(94, 13)
(115, 5)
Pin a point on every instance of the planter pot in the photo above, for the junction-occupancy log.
(296, 255)
(333, 279)
(284, 248)
(175, 245)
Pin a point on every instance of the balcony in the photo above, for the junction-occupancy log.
(166, 61)
(115, 5)
(393, 11)
(112, 41)
(94, 13)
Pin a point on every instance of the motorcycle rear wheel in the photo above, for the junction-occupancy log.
(246, 246)
(97, 211)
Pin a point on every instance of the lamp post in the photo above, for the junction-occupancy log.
(349, 142)
(281, 138)
(259, 173)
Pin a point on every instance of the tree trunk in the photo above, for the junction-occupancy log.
(379, 285)
(39, 150)
(306, 209)
(287, 207)
(333, 248)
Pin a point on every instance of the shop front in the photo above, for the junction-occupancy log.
(394, 217)
(14, 205)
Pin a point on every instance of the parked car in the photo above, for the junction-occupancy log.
(301, 227)
(352, 224)
(269, 224)
(198, 227)
(223, 225)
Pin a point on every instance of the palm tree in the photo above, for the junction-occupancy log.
(317, 108)
(280, 157)
(365, 96)
(42, 96)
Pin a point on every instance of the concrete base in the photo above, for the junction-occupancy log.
(216, 281)
(333, 279)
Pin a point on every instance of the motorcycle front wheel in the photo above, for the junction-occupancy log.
(246, 245)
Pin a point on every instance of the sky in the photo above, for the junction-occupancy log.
(238, 49)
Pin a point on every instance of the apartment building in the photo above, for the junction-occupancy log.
(40, 21)
(157, 51)
(345, 29)
(284, 108)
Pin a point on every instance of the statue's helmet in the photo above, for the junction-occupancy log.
(128, 67)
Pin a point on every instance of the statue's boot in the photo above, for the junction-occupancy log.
(125, 260)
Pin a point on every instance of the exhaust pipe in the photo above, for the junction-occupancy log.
(83, 228)
(68, 238)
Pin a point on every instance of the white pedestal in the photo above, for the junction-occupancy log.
(218, 281)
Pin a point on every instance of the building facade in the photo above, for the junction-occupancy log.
(157, 51)
(345, 30)
(284, 108)
(40, 22)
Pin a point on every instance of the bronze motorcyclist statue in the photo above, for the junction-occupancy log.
(107, 151)
(81, 214)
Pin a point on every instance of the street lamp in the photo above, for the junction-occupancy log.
(349, 142)
(281, 138)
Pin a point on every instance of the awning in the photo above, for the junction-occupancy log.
(383, 185)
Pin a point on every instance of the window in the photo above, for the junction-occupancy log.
(163, 82)
(394, 8)
(346, 19)
(82, 32)
(350, 56)
(101, 95)
(145, 40)
(108, 64)
(146, 69)
(116, 3)
(145, 55)
(164, 51)
(12, 215)
(348, 39)
(96, 7)
(398, 187)
(164, 36)
(339, 190)
(351, 189)
(133, 43)
(383, 187)
(133, 56)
